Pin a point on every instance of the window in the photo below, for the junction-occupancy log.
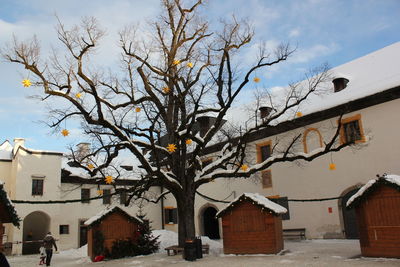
(266, 178)
(122, 197)
(170, 215)
(264, 151)
(85, 195)
(37, 187)
(312, 139)
(106, 196)
(351, 130)
(283, 201)
(64, 229)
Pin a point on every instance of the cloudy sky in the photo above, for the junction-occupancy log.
(325, 31)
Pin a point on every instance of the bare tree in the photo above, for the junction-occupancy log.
(170, 80)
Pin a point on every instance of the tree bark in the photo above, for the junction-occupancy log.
(186, 226)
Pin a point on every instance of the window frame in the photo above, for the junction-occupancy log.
(343, 137)
(82, 197)
(62, 228)
(305, 135)
(106, 196)
(259, 160)
(34, 192)
(172, 211)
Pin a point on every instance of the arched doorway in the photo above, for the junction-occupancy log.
(349, 217)
(210, 223)
(35, 227)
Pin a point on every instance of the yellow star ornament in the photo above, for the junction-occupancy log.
(189, 65)
(138, 109)
(299, 114)
(109, 179)
(26, 83)
(90, 166)
(166, 90)
(65, 132)
(176, 62)
(188, 141)
(244, 167)
(332, 166)
(78, 95)
(99, 192)
(256, 79)
(171, 148)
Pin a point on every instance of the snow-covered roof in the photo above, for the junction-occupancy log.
(367, 75)
(6, 150)
(9, 207)
(258, 200)
(389, 179)
(119, 163)
(101, 215)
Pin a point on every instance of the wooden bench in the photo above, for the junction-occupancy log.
(176, 250)
(294, 233)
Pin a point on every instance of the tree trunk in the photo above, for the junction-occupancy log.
(186, 228)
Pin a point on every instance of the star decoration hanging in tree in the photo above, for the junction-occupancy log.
(166, 90)
(332, 166)
(176, 62)
(109, 179)
(188, 141)
(78, 95)
(256, 79)
(99, 192)
(138, 109)
(299, 114)
(90, 166)
(171, 148)
(189, 65)
(65, 132)
(26, 83)
(244, 167)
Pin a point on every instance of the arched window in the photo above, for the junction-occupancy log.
(312, 139)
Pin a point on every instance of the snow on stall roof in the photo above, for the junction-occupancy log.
(368, 75)
(391, 178)
(260, 200)
(6, 150)
(105, 212)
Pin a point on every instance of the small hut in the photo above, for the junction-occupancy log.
(8, 214)
(108, 226)
(377, 206)
(252, 224)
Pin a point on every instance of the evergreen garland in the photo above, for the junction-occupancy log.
(9, 206)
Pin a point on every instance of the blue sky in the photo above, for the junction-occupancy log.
(332, 31)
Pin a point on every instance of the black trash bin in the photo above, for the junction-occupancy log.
(199, 248)
(189, 251)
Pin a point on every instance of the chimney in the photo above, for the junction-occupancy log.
(264, 111)
(82, 151)
(339, 84)
(17, 143)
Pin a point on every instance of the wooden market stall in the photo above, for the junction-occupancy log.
(112, 224)
(252, 224)
(377, 206)
(8, 214)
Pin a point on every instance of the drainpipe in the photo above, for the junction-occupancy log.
(162, 208)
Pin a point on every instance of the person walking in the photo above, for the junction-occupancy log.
(48, 243)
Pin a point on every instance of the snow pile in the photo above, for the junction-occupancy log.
(81, 252)
(391, 178)
(6, 150)
(169, 238)
(260, 200)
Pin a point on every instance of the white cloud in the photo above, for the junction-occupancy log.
(319, 50)
(294, 33)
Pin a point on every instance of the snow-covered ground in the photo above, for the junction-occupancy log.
(296, 253)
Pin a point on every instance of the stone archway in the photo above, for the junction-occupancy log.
(210, 223)
(35, 227)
